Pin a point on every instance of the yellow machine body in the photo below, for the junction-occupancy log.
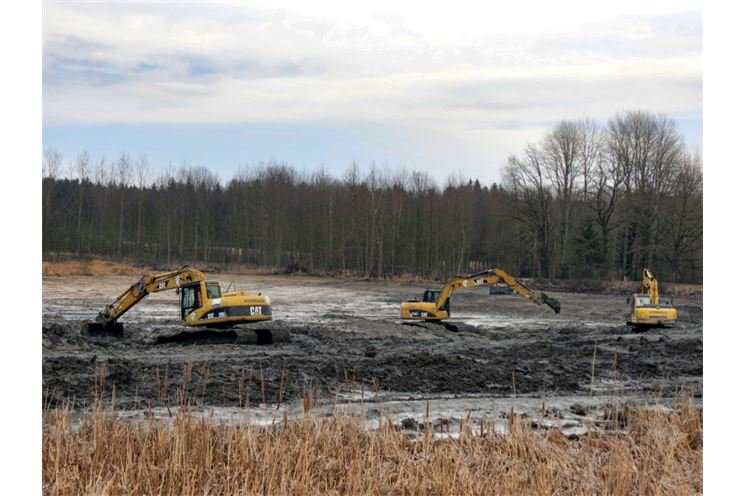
(202, 302)
(644, 313)
(426, 309)
(435, 304)
(647, 309)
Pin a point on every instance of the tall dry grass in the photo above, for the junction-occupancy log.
(658, 452)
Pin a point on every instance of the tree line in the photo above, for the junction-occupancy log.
(588, 201)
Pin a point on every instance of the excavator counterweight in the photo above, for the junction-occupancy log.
(435, 305)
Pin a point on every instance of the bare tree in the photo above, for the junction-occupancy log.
(647, 148)
(165, 187)
(562, 150)
(101, 176)
(123, 171)
(457, 234)
(377, 182)
(82, 166)
(684, 227)
(51, 164)
(605, 183)
(142, 169)
(82, 169)
(352, 252)
(422, 257)
(527, 181)
(590, 153)
(398, 196)
(322, 181)
(583, 202)
(204, 183)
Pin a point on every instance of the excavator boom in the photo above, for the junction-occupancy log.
(146, 285)
(439, 308)
(650, 287)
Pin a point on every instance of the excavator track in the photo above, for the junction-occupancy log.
(244, 336)
(204, 336)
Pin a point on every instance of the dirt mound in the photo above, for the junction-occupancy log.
(91, 268)
(58, 335)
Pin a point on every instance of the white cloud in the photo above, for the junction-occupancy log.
(454, 68)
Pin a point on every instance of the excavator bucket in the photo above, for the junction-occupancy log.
(552, 302)
(112, 329)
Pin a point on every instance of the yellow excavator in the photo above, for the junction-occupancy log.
(202, 302)
(435, 305)
(647, 310)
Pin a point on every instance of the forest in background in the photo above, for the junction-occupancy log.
(588, 201)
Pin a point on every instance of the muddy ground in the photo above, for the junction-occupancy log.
(347, 344)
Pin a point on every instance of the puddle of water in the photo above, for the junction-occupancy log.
(571, 415)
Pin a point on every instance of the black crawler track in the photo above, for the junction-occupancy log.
(228, 336)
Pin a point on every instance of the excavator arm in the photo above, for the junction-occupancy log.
(153, 283)
(437, 309)
(650, 287)
(490, 277)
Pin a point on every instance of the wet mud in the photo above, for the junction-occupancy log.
(342, 340)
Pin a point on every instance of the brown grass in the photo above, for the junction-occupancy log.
(96, 267)
(658, 453)
(92, 267)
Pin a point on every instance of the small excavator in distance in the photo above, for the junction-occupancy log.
(435, 305)
(646, 308)
(202, 302)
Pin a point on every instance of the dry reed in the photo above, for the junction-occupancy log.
(659, 452)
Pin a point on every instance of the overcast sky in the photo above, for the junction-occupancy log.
(454, 88)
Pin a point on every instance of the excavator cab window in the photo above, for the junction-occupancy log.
(213, 290)
(431, 295)
(191, 299)
(642, 301)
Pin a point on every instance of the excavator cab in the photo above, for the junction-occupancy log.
(192, 296)
(191, 299)
(431, 296)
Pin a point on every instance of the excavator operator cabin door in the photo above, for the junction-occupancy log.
(191, 299)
